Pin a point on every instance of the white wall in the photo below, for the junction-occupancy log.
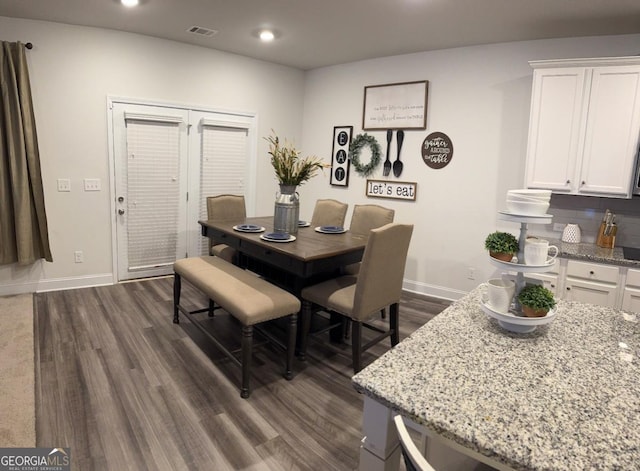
(479, 97)
(73, 70)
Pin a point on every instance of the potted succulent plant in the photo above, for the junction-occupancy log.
(502, 245)
(536, 300)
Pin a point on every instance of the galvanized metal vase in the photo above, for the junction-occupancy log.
(287, 210)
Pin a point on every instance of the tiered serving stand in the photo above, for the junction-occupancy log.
(514, 320)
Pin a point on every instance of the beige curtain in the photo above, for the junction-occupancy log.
(23, 222)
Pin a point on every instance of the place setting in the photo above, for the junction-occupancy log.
(248, 228)
(330, 229)
(303, 223)
(278, 237)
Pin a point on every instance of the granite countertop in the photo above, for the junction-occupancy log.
(564, 397)
(590, 252)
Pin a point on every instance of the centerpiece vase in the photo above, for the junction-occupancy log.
(287, 210)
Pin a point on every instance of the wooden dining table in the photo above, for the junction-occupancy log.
(310, 258)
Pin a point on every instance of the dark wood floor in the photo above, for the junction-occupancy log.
(125, 388)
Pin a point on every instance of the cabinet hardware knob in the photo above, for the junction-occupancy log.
(568, 181)
(568, 288)
(583, 182)
(121, 212)
(592, 272)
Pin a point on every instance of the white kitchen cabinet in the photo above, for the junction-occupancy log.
(584, 126)
(631, 296)
(592, 283)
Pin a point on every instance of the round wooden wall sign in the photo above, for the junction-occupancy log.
(437, 150)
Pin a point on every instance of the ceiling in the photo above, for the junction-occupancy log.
(317, 33)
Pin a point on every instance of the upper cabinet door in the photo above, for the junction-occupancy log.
(555, 127)
(584, 127)
(612, 131)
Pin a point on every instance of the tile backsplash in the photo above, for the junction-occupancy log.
(588, 211)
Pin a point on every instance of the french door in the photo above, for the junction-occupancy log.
(166, 162)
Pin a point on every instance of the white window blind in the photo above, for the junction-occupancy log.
(224, 159)
(153, 191)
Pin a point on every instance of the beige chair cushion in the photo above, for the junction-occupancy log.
(247, 297)
(379, 283)
(328, 212)
(225, 208)
(366, 217)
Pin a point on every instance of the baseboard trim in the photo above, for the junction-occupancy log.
(57, 284)
(434, 291)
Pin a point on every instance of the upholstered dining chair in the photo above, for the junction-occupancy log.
(413, 459)
(225, 208)
(358, 298)
(364, 218)
(329, 212)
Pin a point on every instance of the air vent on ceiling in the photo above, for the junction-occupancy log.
(200, 31)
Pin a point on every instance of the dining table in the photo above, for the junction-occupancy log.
(565, 396)
(313, 256)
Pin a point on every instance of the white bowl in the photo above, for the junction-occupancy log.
(526, 208)
(531, 199)
(545, 194)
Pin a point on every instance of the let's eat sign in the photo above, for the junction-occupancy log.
(393, 190)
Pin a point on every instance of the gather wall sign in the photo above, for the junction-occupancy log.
(437, 150)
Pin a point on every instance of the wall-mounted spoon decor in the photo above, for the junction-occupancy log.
(397, 165)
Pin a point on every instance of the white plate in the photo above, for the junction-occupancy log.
(304, 223)
(513, 323)
(319, 229)
(522, 267)
(239, 228)
(290, 239)
(508, 213)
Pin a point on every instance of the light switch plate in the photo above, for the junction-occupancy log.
(91, 184)
(64, 184)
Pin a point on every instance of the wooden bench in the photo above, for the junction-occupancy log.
(245, 296)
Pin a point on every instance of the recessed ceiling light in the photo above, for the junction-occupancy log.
(267, 36)
(129, 3)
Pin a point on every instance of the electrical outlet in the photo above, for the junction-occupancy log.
(64, 184)
(558, 227)
(471, 274)
(78, 256)
(91, 184)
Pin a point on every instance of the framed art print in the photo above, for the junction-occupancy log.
(395, 106)
(340, 155)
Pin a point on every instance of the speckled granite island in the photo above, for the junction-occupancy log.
(564, 397)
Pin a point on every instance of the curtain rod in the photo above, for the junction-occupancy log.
(29, 46)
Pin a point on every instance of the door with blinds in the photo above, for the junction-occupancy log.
(166, 162)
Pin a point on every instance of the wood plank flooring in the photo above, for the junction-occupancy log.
(125, 388)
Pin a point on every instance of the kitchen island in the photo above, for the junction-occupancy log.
(563, 397)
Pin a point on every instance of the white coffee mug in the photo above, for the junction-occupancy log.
(536, 252)
(500, 293)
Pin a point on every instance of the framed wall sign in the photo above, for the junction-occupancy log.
(340, 155)
(393, 190)
(395, 106)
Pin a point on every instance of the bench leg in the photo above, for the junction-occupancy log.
(291, 345)
(212, 307)
(177, 283)
(356, 345)
(394, 324)
(247, 346)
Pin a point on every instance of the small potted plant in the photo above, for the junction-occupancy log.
(536, 300)
(502, 245)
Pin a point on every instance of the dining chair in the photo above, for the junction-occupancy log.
(364, 218)
(413, 459)
(358, 298)
(329, 212)
(225, 208)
